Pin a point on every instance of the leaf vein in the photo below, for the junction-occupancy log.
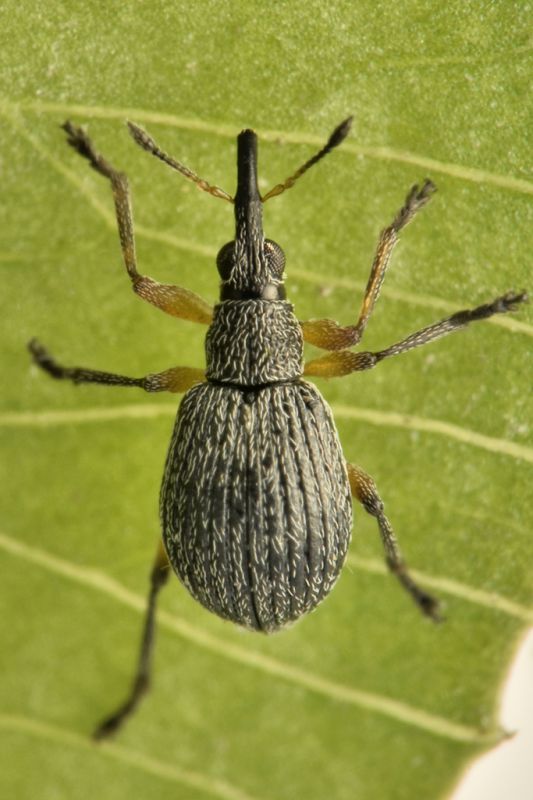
(189, 246)
(490, 600)
(393, 419)
(125, 755)
(370, 701)
(383, 153)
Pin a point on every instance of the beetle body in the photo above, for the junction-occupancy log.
(256, 499)
(256, 508)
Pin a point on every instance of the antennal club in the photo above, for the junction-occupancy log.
(339, 134)
(145, 141)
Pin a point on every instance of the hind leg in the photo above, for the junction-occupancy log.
(364, 489)
(141, 682)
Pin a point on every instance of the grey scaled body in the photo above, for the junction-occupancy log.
(256, 508)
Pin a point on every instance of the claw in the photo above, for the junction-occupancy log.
(510, 301)
(44, 360)
(78, 139)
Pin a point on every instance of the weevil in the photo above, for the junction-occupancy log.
(256, 497)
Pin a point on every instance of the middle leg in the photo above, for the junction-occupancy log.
(334, 365)
(176, 379)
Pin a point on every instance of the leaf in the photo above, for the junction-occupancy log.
(363, 698)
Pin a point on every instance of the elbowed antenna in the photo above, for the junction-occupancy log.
(246, 162)
(145, 141)
(339, 134)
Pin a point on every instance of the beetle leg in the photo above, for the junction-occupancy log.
(328, 334)
(141, 683)
(176, 379)
(173, 300)
(364, 489)
(344, 362)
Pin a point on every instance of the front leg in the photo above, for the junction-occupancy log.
(328, 334)
(173, 300)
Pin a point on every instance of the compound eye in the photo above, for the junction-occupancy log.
(275, 257)
(225, 260)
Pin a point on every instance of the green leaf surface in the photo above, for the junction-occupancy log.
(363, 698)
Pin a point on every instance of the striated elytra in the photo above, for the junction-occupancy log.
(255, 505)
(256, 499)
